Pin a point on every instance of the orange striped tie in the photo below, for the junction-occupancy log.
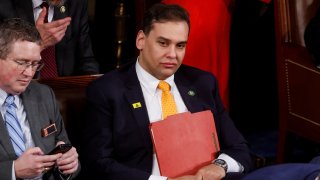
(167, 101)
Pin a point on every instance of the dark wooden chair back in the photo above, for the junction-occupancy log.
(298, 77)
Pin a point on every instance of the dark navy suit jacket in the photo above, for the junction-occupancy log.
(74, 54)
(119, 144)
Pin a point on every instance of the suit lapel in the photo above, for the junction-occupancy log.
(189, 93)
(33, 112)
(61, 12)
(24, 10)
(134, 95)
(5, 140)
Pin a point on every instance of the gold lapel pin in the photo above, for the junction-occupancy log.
(62, 9)
(191, 93)
(136, 105)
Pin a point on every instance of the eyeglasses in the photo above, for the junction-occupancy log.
(23, 65)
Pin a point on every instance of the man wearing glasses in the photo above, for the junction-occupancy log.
(30, 122)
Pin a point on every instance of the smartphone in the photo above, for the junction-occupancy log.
(62, 148)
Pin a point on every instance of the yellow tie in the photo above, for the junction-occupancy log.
(167, 101)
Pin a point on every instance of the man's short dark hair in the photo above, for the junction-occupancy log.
(13, 30)
(160, 13)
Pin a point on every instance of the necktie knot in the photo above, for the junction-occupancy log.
(164, 86)
(10, 100)
(167, 100)
(44, 4)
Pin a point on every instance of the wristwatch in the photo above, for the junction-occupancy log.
(222, 163)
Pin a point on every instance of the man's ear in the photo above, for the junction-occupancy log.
(140, 40)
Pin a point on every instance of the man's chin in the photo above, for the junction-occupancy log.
(20, 89)
(169, 72)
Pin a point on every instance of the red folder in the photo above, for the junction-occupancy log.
(185, 142)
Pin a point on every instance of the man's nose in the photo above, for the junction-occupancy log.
(172, 52)
(29, 71)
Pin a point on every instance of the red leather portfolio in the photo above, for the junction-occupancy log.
(185, 142)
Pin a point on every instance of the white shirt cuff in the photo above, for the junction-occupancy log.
(233, 165)
(13, 173)
(153, 177)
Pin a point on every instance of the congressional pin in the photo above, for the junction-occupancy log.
(136, 105)
(48, 130)
(191, 93)
(62, 9)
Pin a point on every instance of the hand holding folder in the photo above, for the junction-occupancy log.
(185, 142)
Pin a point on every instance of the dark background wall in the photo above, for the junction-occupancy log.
(103, 33)
(253, 90)
(109, 24)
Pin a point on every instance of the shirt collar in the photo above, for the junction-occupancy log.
(3, 96)
(148, 81)
(36, 3)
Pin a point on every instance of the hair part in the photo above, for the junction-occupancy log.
(13, 30)
(160, 13)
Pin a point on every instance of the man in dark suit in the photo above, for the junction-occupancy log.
(32, 113)
(67, 29)
(118, 142)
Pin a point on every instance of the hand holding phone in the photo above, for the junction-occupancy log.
(61, 148)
